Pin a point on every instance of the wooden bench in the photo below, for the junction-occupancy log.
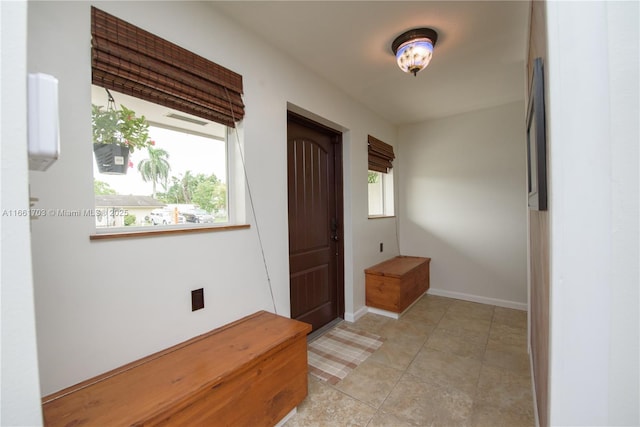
(252, 372)
(393, 285)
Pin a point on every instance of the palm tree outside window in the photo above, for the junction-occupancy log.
(155, 169)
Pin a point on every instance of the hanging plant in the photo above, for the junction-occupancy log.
(116, 133)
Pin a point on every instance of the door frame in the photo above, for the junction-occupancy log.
(336, 139)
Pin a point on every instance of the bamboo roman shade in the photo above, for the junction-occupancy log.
(380, 155)
(132, 61)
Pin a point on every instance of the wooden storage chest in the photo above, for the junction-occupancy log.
(395, 284)
(252, 372)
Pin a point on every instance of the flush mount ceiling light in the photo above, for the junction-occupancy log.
(414, 48)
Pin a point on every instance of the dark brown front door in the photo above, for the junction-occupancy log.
(314, 156)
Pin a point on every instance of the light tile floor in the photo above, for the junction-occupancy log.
(445, 363)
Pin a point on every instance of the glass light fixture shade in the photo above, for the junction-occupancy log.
(414, 55)
(413, 49)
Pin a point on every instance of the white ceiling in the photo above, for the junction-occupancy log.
(478, 61)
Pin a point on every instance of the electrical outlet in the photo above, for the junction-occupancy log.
(197, 299)
(381, 247)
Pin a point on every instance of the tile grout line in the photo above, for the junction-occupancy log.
(475, 391)
(404, 371)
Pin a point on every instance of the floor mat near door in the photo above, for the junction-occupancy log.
(333, 355)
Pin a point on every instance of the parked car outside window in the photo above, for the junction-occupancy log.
(190, 217)
(203, 216)
(164, 217)
(197, 216)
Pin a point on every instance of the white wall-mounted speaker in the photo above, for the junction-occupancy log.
(43, 122)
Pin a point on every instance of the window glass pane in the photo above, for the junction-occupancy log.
(376, 193)
(179, 178)
(387, 191)
(381, 201)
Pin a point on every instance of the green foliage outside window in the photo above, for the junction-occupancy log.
(102, 188)
(205, 191)
(129, 220)
(155, 169)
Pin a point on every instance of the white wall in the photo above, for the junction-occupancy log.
(463, 203)
(101, 304)
(20, 391)
(593, 103)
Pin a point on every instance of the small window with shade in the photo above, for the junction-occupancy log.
(380, 178)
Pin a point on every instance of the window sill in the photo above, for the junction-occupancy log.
(165, 232)
(381, 216)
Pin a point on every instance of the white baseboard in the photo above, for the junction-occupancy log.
(392, 314)
(286, 417)
(352, 317)
(385, 313)
(477, 298)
